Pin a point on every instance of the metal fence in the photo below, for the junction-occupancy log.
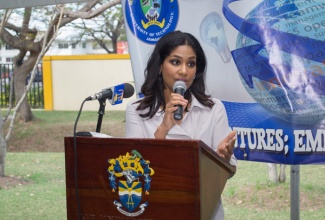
(35, 95)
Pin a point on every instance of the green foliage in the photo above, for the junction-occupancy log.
(4, 94)
(35, 97)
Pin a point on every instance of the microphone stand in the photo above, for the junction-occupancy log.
(101, 112)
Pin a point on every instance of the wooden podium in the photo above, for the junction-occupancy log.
(186, 178)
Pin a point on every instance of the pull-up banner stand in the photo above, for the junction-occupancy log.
(265, 62)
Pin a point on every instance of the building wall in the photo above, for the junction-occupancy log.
(86, 47)
(68, 80)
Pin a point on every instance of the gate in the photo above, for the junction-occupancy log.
(35, 95)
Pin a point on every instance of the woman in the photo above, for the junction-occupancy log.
(178, 56)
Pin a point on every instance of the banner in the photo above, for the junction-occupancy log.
(266, 62)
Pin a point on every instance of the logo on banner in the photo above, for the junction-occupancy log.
(149, 20)
(132, 171)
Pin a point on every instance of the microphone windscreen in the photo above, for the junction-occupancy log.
(128, 90)
(179, 84)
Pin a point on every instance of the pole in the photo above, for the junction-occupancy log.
(101, 112)
(294, 192)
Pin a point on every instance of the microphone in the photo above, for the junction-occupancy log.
(125, 90)
(179, 88)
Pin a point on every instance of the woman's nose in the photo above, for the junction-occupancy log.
(183, 70)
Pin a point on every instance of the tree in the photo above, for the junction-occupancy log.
(273, 174)
(32, 47)
(29, 42)
(112, 29)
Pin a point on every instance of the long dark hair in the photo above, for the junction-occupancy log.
(153, 86)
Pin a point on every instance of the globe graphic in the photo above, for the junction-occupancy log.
(281, 72)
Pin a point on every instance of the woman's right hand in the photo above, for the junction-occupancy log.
(169, 121)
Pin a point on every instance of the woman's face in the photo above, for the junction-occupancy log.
(179, 65)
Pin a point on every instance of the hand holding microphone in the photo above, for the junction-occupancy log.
(179, 88)
(171, 115)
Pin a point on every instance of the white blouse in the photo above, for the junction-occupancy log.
(200, 123)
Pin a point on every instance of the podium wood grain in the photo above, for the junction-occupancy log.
(187, 184)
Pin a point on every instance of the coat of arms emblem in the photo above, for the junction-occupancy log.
(151, 10)
(149, 20)
(132, 171)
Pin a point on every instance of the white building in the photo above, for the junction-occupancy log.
(60, 47)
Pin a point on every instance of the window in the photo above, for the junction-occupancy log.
(63, 45)
(9, 59)
(8, 47)
(84, 45)
(74, 45)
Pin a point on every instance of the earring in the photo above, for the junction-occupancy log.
(194, 77)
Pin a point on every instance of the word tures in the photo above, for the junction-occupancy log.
(275, 140)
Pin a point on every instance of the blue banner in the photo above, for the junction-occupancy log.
(266, 62)
(279, 60)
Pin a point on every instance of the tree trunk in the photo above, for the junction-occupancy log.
(3, 148)
(282, 176)
(24, 113)
(272, 171)
(3, 152)
(21, 72)
(114, 42)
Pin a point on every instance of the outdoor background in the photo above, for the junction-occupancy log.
(36, 160)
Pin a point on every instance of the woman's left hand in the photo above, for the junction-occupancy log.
(226, 146)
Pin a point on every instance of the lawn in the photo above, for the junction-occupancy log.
(36, 160)
(248, 195)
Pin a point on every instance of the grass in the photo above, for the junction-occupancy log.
(42, 195)
(249, 194)
(59, 117)
(47, 132)
(40, 170)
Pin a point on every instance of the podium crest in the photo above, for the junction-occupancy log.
(132, 171)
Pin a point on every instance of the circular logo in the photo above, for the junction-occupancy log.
(279, 59)
(149, 20)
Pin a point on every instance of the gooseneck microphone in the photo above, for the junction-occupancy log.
(179, 88)
(108, 93)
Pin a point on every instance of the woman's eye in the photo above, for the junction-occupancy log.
(191, 64)
(175, 62)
